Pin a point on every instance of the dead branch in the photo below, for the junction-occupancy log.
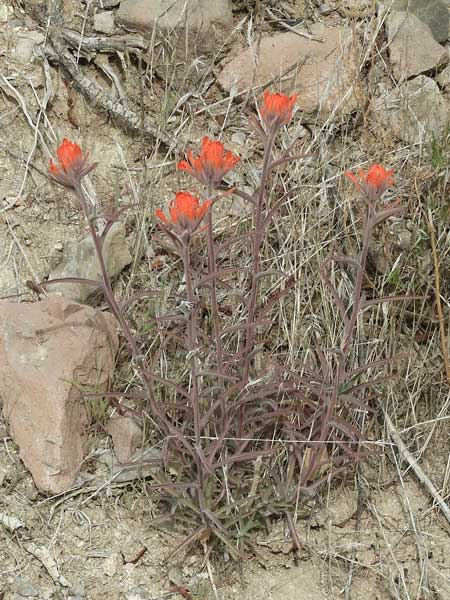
(99, 99)
(423, 479)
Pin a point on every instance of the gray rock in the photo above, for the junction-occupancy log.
(198, 25)
(443, 78)
(6, 12)
(104, 22)
(404, 239)
(433, 13)
(409, 57)
(325, 9)
(108, 3)
(357, 8)
(49, 352)
(416, 111)
(16, 23)
(25, 588)
(327, 71)
(80, 260)
(77, 590)
(26, 42)
(138, 593)
(112, 564)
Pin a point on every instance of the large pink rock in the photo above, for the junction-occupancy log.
(323, 69)
(49, 350)
(408, 56)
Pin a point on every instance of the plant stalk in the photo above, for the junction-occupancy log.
(117, 312)
(192, 336)
(258, 239)
(357, 297)
(212, 268)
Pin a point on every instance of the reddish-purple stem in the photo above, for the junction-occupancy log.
(212, 268)
(259, 230)
(192, 336)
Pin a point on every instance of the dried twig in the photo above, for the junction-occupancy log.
(423, 479)
(285, 25)
(99, 99)
(437, 291)
(93, 44)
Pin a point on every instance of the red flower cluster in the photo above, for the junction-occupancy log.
(72, 164)
(211, 165)
(186, 213)
(373, 183)
(276, 110)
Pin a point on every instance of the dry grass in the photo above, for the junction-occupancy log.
(394, 536)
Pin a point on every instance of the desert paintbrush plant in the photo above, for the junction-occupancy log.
(226, 418)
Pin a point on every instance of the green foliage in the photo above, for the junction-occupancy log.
(394, 276)
(439, 149)
(97, 409)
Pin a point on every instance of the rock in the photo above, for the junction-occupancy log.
(25, 588)
(111, 564)
(138, 593)
(26, 42)
(443, 78)
(404, 239)
(415, 111)
(126, 436)
(433, 13)
(104, 22)
(6, 12)
(407, 56)
(48, 350)
(16, 23)
(325, 9)
(357, 8)
(77, 589)
(327, 69)
(143, 464)
(199, 25)
(81, 261)
(108, 3)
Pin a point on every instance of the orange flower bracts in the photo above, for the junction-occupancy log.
(72, 164)
(186, 213)
(373, 183)
(212, 163)
(276, 110)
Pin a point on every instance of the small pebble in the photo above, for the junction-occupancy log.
(111, 564)
(5, 12)
(104, 22)
(404, 239)
(325, 9)
(25, 588)
(239, 138)
(16, 23)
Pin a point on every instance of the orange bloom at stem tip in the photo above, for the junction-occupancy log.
(186, 212)
(276, 109)
(72, 164)
(211, 165)
(374, 182)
